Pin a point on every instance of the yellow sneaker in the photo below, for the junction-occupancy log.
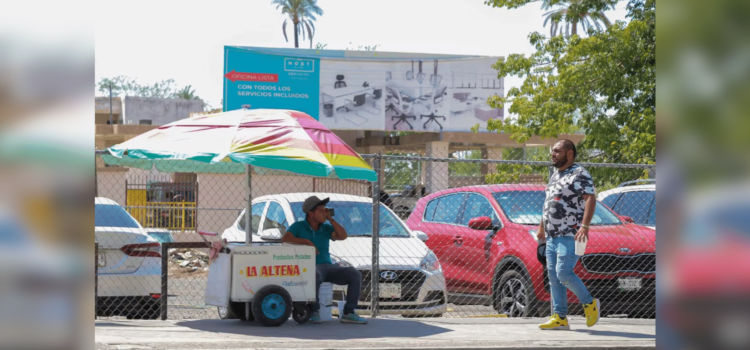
(592, 312)
(555, 322)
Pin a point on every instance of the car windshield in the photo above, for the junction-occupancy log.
(525, 207)
(111, 215)
(161, 237)
(356, 217)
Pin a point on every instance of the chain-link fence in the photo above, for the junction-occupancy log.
(455, 236)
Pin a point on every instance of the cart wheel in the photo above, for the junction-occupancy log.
(272, 306)
(301, 313)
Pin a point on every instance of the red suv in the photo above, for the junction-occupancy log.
(485, 239)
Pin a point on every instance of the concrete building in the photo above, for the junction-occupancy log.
(131, 110)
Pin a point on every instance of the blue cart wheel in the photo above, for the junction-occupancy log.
(272, 306)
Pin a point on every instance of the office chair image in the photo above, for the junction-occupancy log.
(340, 83)
(396, 104)
(376, 95)
(355, 104)
(437, 101)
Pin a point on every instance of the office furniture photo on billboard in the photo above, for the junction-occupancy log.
(437, 102)
(435, 79)
(410, 74)
(395, 100)
(340, 83)
(483, 111)
(376, 95)
(463, 104)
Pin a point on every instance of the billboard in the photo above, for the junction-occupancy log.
(364, 90)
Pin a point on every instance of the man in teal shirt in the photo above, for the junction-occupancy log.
(313, 231)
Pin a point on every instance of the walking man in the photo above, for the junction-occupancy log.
(568, 208)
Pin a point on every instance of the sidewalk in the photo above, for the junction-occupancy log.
(381, 333)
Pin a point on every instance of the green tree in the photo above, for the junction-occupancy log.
(363, 47)
(587, 19)
(399, 173)
(302, 13)
(603, 85)
(465, 169)
(517, 173)
(123, 85)
(186, 93)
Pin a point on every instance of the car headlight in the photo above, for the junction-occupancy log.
(338, 261)
(430, 262)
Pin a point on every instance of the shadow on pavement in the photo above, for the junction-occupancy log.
(332, 330)
(617, 334)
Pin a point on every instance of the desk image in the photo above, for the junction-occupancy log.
(351, 103)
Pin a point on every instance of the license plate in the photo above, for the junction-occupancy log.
(630, 284)
(390, 290)
(102, 260)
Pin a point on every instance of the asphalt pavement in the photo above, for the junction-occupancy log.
(381, 333)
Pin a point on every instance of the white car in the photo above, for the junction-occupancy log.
(411, 279)
(129, 264)
(637, 202)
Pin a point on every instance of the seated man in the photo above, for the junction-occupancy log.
(313, 231)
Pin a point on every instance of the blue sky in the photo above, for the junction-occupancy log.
(156, 40)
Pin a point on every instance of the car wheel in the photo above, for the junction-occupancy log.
(237, 310)
(225, 313)
(148, 309)
(514, 295)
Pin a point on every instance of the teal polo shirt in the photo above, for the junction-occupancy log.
(320, 238)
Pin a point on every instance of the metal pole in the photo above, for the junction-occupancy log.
(96, 178)
(164, 279)
(375, 271)
(249, 220)
(110, 103)
(249, 208)
(96, 279)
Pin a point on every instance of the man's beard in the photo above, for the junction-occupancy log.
(560, 162)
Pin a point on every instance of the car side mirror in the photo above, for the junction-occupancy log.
(480, 223)
(627, 219)
(421, 235)
(270, 234)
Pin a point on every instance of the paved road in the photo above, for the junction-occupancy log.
(381, 333)
(187, 292)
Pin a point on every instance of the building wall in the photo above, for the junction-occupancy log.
(158, 110)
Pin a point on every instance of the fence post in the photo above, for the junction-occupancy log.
(375, 270)
(96, 280)
(164, 279)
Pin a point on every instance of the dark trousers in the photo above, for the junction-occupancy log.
(340, 275)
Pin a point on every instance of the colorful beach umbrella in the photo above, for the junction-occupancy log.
(224, 142)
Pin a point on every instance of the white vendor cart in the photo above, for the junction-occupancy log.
(264, 282)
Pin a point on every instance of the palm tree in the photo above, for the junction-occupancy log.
(302, 13)
(587, 19)
(186, 93)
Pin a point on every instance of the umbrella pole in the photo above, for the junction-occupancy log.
(249, 219)
(249, 209)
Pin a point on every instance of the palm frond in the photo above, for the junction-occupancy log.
(283, 29)
(309, 32)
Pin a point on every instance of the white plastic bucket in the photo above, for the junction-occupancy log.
(325, 298)
(341, 308)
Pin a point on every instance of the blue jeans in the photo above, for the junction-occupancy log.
(340, 275)
(561, 258)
